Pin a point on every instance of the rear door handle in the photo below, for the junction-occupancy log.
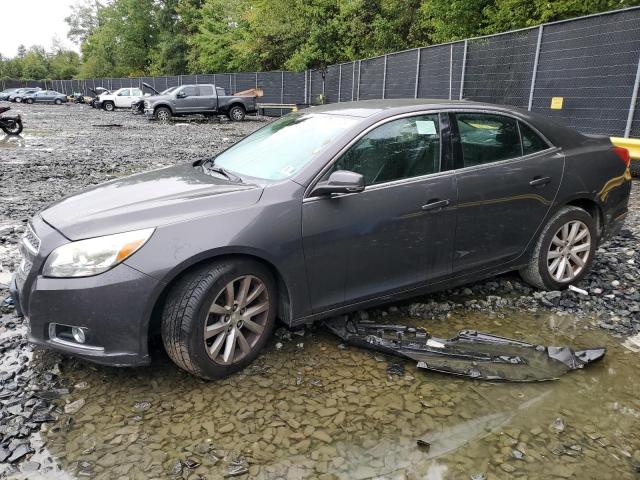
(539, 181)
(435, 204)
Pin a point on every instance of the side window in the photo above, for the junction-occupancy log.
(191, 91)
(487, 138)
(206, 90)
(531, 141)
(404, 148)
(136, 92)
(124, 93)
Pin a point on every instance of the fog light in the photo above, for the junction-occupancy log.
(79, 334)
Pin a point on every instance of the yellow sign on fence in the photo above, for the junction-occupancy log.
(556, 103)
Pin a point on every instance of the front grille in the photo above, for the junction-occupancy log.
(31, 240)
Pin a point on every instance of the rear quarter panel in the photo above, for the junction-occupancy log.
(593, 171)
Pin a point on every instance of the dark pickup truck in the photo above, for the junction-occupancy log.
(204, 99)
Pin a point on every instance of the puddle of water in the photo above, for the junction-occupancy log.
(322, 410)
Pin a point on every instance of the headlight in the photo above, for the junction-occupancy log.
(94, 255)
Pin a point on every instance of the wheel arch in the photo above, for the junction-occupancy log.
(593, 208)
(235, 103)
(162, 105)
(284, 311)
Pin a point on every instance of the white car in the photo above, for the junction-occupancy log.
(122, 98)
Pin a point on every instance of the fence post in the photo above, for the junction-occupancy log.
(339, 81)
(632, 105)
(415, 92)
(464, 66)
(358, 91)
(353, 80)
(535, 67)
(305, 78)
(281, 89)
(450, 71)
(384, 76)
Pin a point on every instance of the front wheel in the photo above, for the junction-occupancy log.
(218, 317)
(57, 101)
(109, 106)
(564, 252)
(163, 114)
(13, 127)
(236, 113)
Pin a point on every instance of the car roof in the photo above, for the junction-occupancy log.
(374, 110)
(367, 108)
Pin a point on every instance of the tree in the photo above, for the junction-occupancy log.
(83, 20)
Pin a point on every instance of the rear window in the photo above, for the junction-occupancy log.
(205, 90)
(487, 138)
(531, 141)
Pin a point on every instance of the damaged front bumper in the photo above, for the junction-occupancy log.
(470, 353)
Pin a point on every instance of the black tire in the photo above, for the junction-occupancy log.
(16, 130)
(236, 113)
(57, 101)
(109, 106)
(536, 273)
(162, 114)
(29, 101)
(187, 311)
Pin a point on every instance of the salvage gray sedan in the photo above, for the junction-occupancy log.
(321, 212)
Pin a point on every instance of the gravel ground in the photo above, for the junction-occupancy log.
(65, 149)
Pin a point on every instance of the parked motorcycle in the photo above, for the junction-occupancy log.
(10, 125)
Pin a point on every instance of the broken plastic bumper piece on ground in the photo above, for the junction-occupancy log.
(470, 353)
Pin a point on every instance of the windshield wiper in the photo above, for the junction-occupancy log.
(209, 166)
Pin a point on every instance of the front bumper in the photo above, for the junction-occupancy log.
(114, 306)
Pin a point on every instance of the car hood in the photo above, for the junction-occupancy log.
(158, 98)
(150, 199)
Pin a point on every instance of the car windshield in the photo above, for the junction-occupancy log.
(283, 147)
(168, 90)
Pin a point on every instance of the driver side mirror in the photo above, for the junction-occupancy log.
(181, 94)
(341, 181)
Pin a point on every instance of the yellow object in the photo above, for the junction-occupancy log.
(631, 144)
(556, 103)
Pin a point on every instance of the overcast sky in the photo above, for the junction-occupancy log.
(33, 22)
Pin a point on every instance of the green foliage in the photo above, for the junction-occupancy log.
(37, 64)
(170, 37)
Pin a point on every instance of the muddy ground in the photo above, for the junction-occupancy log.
(310, 407)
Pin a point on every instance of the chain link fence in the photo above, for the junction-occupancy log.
(592, 63)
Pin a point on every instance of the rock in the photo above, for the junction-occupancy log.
(322, 436)
(558, 425)
(327, 412)
(74, 407)
(19, 452)
(226, 428)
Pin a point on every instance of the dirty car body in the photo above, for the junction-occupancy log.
(337, 208)
(204, 99)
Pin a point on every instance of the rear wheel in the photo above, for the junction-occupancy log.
(13, 127)
(57, 101)
(163, 114)
(236, 113)
(109, 106)
(29, 101)
(564, 252)
(217, 318)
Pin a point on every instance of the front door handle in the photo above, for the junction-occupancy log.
(539, 181)
(435, 205)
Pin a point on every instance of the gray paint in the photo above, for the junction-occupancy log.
(331, 254)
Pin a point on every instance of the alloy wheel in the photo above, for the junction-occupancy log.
(163, 116)
(236, 114)
(569, 251)
(236, 320)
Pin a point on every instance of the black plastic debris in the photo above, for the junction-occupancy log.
(470, 353)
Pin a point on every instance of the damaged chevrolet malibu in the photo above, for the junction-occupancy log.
(322, 212)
